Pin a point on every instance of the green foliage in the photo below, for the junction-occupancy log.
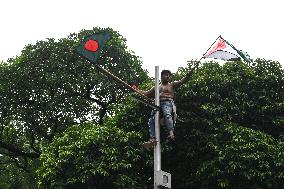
(237, 92)
(133, 116)
(243, 158)
(206, 148)
(11, 177)
(89, 156)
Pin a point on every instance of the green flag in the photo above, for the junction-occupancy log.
(92, 45)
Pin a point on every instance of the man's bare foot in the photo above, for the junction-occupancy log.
(150, 143)
(171, 136)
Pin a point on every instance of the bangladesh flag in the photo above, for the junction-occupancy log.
(92, 46)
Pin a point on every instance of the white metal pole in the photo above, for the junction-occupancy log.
(157, 149)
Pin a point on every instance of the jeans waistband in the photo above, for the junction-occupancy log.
(165, 100)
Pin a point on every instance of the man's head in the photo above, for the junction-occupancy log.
(166, 72)
(165, 76)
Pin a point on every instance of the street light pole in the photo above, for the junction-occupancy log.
(157, 148)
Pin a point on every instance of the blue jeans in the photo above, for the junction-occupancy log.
(167, 113)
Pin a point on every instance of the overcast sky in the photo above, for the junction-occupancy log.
(163, 33)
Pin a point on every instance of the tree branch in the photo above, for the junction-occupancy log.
(17, 151)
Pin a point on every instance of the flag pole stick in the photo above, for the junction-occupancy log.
(113, 76)
(146, 103)
(119, 80)
(125, 84)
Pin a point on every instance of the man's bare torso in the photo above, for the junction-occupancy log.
(166, 92)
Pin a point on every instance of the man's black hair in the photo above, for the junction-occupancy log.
(166, 72)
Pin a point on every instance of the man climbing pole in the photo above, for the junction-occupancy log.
(167, 105)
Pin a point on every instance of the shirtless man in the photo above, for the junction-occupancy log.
(167, 105)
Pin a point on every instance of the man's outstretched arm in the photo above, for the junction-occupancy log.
(150, 93)
(183, 80)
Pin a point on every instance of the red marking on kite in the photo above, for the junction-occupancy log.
(92, 45)
(219, 46)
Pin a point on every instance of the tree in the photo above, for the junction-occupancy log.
(243, 158)
(228, 114)
(89, 156)
(49, 88)
(12, 177)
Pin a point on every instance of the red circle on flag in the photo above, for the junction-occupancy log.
(92, 45)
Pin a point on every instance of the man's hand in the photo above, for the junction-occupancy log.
(134, 87)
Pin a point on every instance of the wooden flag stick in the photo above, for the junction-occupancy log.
(127, 85)
(119, 80)
(146, 103)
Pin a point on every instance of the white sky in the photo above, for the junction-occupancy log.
(164, 33)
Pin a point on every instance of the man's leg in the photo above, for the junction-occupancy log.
(152, 140)
(167, 109)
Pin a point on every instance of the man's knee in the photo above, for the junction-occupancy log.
(168, 116)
